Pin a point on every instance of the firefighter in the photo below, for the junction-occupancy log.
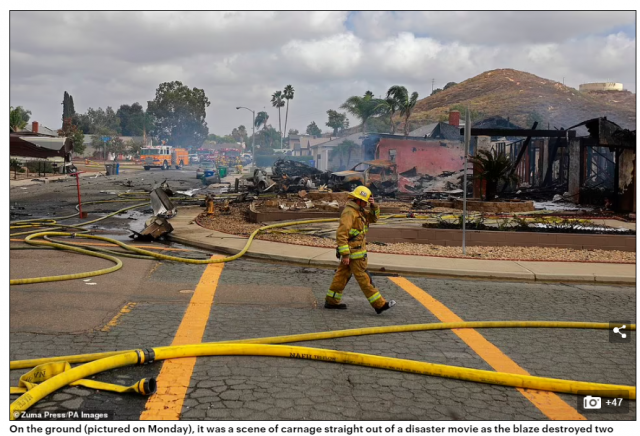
(352, 251)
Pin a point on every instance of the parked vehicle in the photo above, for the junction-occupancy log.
(208, 169)
(194, 158)
(163, 157)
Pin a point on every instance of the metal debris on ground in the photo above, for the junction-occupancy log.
(156, 227)
(162, 206)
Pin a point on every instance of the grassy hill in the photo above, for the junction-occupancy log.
(526, 98)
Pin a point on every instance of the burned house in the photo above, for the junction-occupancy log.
(596, 168)
(432, 162)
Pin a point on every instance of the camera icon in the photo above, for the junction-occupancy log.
(592, 403)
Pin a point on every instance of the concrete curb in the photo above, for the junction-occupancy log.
(188, 233)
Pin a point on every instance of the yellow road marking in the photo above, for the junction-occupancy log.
(175, 374)
(547, 402)
(114, 321)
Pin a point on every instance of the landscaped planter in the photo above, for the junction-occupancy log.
(256, 216)
(496, 206)
(452, 237)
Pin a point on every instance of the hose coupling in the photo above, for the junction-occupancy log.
(149, 356)
(147, 386)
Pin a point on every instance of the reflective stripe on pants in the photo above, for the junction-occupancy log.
(357, 267)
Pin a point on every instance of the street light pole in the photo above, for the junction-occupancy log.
(253, 129)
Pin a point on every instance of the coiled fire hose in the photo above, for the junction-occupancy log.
(99, 362)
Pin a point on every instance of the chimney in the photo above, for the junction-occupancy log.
(454, 118)
(34, 127)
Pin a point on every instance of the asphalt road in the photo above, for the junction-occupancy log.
(149, 303)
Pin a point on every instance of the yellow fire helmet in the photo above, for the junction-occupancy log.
(361, 193)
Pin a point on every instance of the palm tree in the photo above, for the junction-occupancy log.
(277, 100)
(261, 119)
(493, 167)
(362, 107)
(288, 95)
(16, 121)
(405, 104)
(389, 106)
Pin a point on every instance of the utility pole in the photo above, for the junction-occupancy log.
(432, 82)
(467, 141)
(253, 137)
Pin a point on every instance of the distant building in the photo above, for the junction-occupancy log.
(604, 86)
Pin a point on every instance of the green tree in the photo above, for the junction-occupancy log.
(389, 106)
(277, 100)
(313, 129)
(449, 85)
(294, 132)
(405, 103)
(261, 120)
(337, 121)
(68, 111)
(288, 95)
(18, 118)
(179, 114)
(116, 146)
(435, 91)
(103, 121)
(134, 147)
(83, 122)
(132, 119)
(70, 130)
(345, 148)
(266, 138)
(362, 107)
(226, 139)
(240, 134)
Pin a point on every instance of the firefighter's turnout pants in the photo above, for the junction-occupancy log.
(357, 267)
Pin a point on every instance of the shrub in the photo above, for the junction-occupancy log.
(40, 166)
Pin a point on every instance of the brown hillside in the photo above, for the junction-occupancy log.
(524, 97)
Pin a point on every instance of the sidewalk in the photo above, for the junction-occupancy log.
(187, 232)
(40, 180)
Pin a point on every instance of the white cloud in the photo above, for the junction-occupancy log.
(241, 58)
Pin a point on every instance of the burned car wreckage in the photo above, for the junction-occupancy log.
(292, 176)
(378, 175)
(288, 176)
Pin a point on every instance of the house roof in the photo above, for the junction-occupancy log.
(424, 130)
(496, 122)
(313, 141)
(55, 144)
(356, 137)
(42, 130)
(447, 132)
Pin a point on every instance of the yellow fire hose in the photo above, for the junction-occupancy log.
(239, 348)
(31, 241)
(44, 372)
(61, 374)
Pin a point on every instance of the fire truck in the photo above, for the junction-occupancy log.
(164, 157)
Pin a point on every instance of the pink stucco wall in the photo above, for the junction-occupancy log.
(429, 157)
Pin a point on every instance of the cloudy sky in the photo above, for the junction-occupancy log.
(240, 58)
